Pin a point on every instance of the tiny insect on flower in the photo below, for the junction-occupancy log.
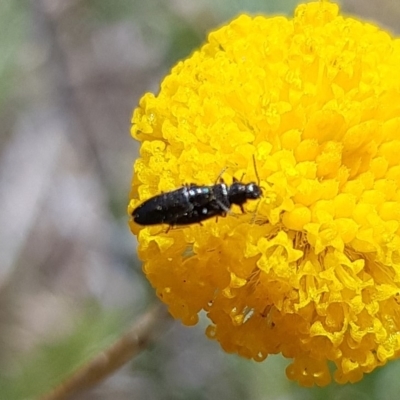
(194, 204)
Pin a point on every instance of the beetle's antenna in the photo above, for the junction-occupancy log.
(255, 170)
(219, 177)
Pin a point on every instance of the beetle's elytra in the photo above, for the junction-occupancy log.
(193, 203)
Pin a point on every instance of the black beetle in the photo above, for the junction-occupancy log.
(194, 204)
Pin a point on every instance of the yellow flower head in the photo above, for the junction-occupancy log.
(312, 269)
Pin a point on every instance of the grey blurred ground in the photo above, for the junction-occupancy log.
(71, 74)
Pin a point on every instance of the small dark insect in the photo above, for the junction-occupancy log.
(193, 204)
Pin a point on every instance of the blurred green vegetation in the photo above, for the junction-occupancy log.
(52, 362)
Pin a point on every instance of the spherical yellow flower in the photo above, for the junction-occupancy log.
(312, 270)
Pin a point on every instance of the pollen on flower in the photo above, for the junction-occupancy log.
(312, 269)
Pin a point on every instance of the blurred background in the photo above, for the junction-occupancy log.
(71, 72)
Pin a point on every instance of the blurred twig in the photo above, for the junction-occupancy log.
(64, 93)
(136, 339)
